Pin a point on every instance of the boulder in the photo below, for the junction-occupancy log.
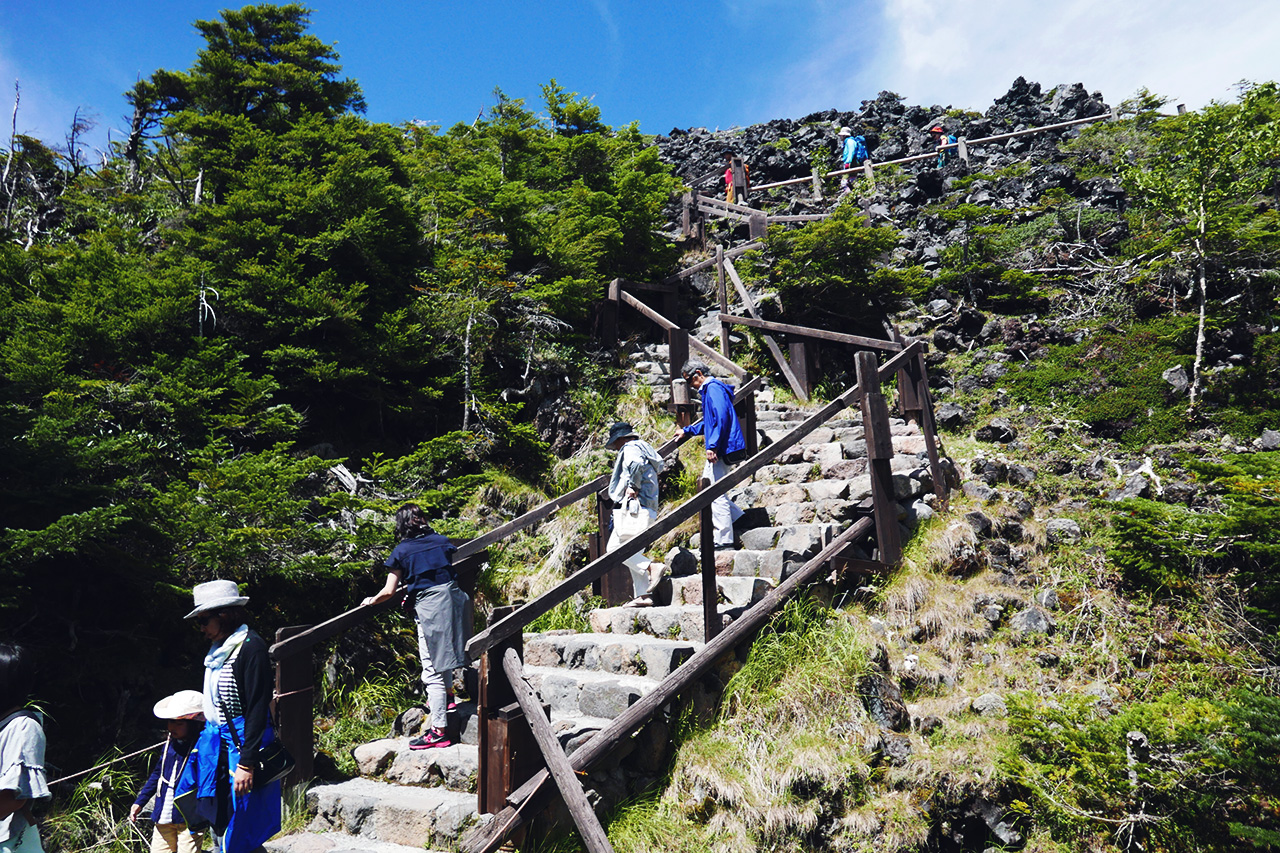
(999, 430)
(990, 705)
(882, 698)
(1063, 531)
(1033, 620)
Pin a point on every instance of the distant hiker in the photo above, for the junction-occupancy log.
(183, 713)
(22, 743)
(722, 436)
(941, 138)
(238, 687)
(424, 561)
(633, 488)
(735, 194)
(853, 152)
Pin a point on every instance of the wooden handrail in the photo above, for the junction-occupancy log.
(785, 366)
(584, 817)
(934, 153)
(304, 640)
(711, 262)
(694, 343)
(516, 621)
(488, 837)
(816, 334)
(466, 551)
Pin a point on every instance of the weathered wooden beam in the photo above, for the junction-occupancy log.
(723, 295)
(712, 201)
(694, 343)
(584, 817)
(710, 262)
(816, 334)
(707, 563)
(294, 707)
(776, 351)
(489, 837)
(799, 217)
(875, 425)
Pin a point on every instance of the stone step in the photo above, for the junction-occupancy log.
(573, 693)
(676, 621)
(453, 767)
(802, 539)
(397, 814)
(644, 657)
(335, 842)
(732, 590)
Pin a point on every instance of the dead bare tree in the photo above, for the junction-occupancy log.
(8, 160)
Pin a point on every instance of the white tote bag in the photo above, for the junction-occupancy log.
(630, 520)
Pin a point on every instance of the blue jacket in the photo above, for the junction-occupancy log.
(719, 426)
(171, 763)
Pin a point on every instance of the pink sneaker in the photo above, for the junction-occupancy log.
(431, 740)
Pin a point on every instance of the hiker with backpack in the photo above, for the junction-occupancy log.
(941, 138)
(722, 436)
(853, 152)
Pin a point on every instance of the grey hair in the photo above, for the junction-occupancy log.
(693, 366)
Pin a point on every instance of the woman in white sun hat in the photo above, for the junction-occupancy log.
(183, 713)
(236, 705)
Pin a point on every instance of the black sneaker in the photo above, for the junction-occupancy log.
(431, 740)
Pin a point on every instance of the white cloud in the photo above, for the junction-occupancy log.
(965, 53)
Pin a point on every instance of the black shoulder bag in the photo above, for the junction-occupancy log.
(274, 761)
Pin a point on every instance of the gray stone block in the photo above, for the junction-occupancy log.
(607, 699)
(823, 490)
(760, 539)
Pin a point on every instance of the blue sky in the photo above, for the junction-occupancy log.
(710, 63)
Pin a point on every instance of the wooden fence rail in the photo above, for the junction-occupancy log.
(524, 800)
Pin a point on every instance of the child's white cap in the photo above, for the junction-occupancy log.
(183, 705)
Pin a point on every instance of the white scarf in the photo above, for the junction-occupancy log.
(213, 663)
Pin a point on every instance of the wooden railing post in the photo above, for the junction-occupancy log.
(295, 695)
(875, 425)
(757, 226)
(920, 376)
(681, 404)
(677, 355)
(817, 184)
(802, 365)
(609, 316)
(723, 293)
(686, 215)
(614, 586)
(746, 410)
(508, 754)
(740, 188)
(710, 592)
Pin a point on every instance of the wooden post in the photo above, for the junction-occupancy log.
(963, 147)
(508, 754)
(757, 226)
(681, 404)
(677, 355)
(294, 699)
(723, 293)
(869, 172)
(614, 586)
(801, 365)
(686, 215)
(740, 188)
(609, 319)
(928, 428)
(584, 817)
(817, 184)
(746, 409)
(671, 304)
(710, 592)
(875, 425)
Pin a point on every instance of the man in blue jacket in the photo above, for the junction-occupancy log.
(722, 435)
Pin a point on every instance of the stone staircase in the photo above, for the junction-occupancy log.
(413, 799)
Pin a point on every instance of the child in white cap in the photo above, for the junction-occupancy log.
(183, 714)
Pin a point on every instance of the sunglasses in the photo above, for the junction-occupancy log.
(202, 619)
